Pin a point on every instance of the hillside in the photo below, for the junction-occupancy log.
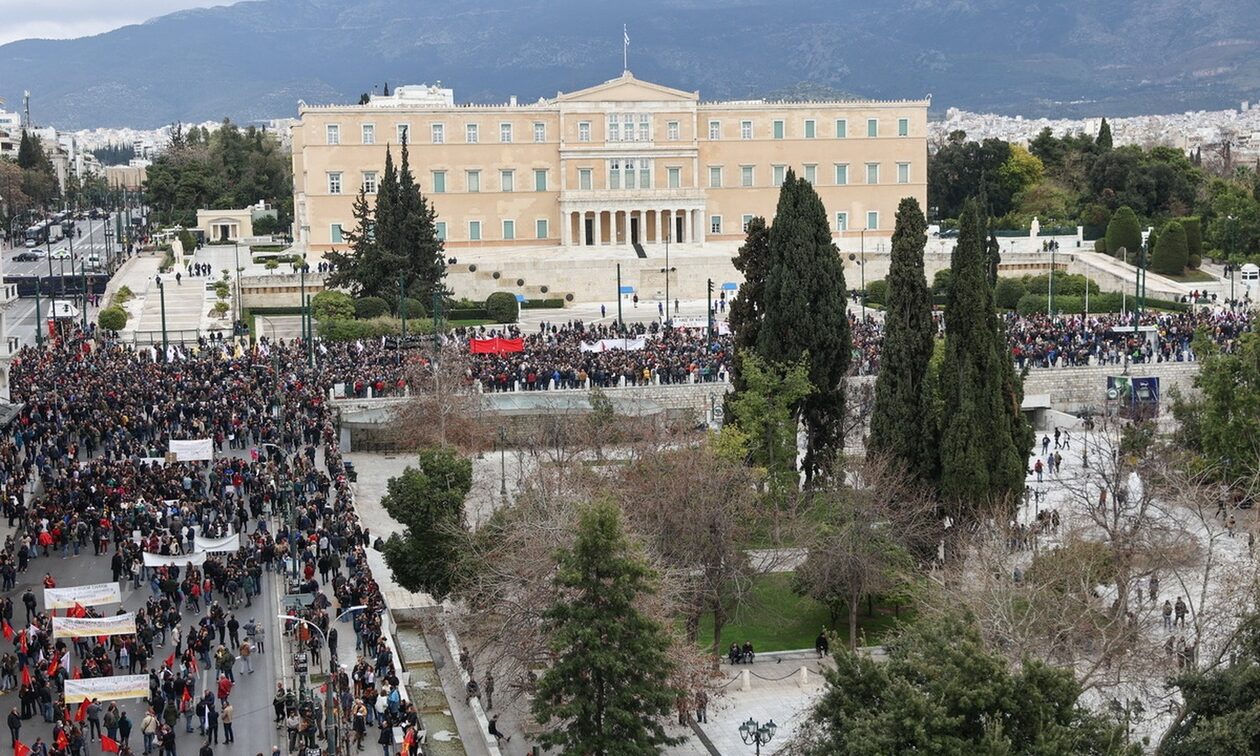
(256, 59)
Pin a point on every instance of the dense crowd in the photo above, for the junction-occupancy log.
(84, 466)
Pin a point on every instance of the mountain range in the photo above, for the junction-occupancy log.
(254, 60)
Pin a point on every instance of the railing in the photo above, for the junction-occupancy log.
(173, 336)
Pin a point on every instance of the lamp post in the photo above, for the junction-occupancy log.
(666, 270)
(162, 296)
(331, 733)
(1050, 287)
(862, 268)
(755, 734)
(503, 461)
(39, 326)
(236, 259)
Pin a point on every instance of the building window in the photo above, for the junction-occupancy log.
(470, 133)
(842, 174)
(744, 221)
(842, 128)
(333, 132)
(872, 173)
(335, 235)
(439, 182)
(369, 133)
(438, 132)
(509, 230)
(645, 128)
(811, 174)
(715, 130)
(584, 131)
(715, 224)
(872, 127)
(745, 129)
(505, 133)
(809, 128)
(780, 175)
(540, 179)
(473, 179)
(746, 175)
(404, 133)
(540, 132)
(645, 174)
(540, 228)
(872, 220)
(614, 174)
(474, 230)
(441, 230)
(334, 183)
(674, 177)
(584, 178)
(842, 221)
(627, 131)
(507, 181)
(671, 130)
(778, 129)
(369, 182)
(903, 173)
(715, 177)
(903, 127)
(614, 128)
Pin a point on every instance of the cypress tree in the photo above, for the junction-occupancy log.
(806, 316)
(385, 228)
(1104, 136)
(979, 458)
(364, 268)
(1124, 232)
(748, 307)
(994, 254)
(424, 267)
(1170, 253)
(903, 424)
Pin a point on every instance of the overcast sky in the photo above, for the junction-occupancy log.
(65, 19)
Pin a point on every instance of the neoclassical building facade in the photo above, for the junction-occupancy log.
(623, 162)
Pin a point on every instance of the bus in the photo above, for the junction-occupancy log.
(43, 232)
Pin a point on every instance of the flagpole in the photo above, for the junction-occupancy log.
(625, 48)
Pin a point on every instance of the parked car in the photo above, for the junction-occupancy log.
(27, 257)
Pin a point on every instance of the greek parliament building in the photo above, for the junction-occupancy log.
(623, 162)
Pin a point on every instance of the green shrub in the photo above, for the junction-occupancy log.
(188, 241)
(366, 308)
(112, 318)
(466, 313)
(877, 292)
(1069, 304)
(1030, 304)
(543, 304)
(502, 307)
(1171, 254)
(336, 305)
(1123, 232)
(1100, 246)
(124, 294)
(1008, 292)
(940, 282)
(266, 225)
(1195, 262)
(415, 308)
(221, 289)
(220, 308)
(341, 329)
(1194, 238)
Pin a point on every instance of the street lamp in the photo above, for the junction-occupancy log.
(756, 734)
(666, 270)
(331, 733)
(503, 461)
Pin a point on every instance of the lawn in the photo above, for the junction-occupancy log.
(1194, 276)
(776, 619)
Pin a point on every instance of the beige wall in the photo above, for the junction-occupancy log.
(567, 148)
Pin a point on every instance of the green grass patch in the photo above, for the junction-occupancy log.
(774, 618)
(1194, 276)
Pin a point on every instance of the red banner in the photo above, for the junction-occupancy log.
(496, 345)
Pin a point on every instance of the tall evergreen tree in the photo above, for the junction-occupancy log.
(364, 268)
(903, 424)
(994, 256)
(979, 458)
(806, 316)
(1104, 136)
(608, 689)
(748, 308)
(424, 267)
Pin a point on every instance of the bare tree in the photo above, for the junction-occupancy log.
(445, 406)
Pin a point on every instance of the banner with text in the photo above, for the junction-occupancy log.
(604, 345)
(181, 560)
(83, 595)
(226, 543)
(194, 450)
(91, 627)
(107, 688)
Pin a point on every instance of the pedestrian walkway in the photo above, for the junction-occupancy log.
(185, 303)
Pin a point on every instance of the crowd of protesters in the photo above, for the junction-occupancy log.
(85, 465)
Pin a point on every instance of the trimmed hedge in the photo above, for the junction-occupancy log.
(543, 304)
(877, 292)
(1110, 302)
(332, 305)
(466, 313)
(366, 308)
(112, 318)
(502, 307)
(415, 308)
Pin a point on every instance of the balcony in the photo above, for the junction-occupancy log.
(680, 196)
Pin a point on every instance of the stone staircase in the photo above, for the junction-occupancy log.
(185, 308)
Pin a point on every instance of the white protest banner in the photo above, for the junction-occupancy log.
(181, 560)
(230, 542)
(194, 450)
(90, 627)
(604, 345)
(83, 595)
(107, 688)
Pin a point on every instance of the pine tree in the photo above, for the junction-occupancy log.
(979, 458)
(1104, 136)
(608, 688)
(748, 306)
(805, 315)
(903, 424)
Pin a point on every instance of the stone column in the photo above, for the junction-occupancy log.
(686, 226)
(566, 222)
(599, 225)
(660, 226)
(702, 226)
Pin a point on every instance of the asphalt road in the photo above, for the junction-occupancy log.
(251, 697)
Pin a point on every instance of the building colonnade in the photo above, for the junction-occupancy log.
(609, 226)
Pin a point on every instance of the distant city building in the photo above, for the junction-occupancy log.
(621, 162)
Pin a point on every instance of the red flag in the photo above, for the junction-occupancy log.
(108, 744)
(63, 742)
(74, 672)
(22, 642)
(77, 611)
(52, 667)
(26, 676)
(187, 695)
(80, 714)
(8, 630)
(170, 660)
(21, 749)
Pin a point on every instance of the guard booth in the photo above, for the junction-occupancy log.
(1134, 397)
(62, 318)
